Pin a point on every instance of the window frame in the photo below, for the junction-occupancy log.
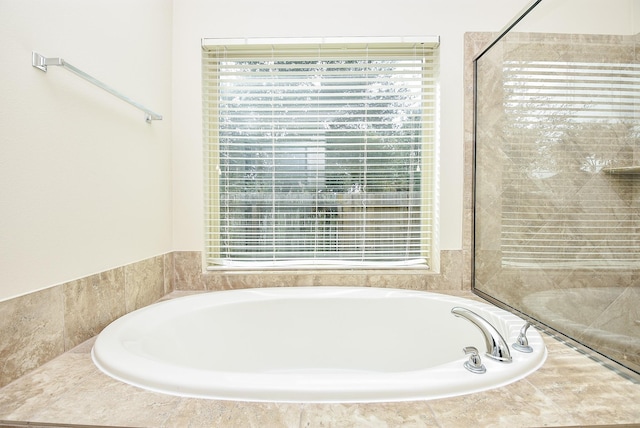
(211, 127)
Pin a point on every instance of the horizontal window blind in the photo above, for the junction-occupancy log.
(570, 125)
(320, 154)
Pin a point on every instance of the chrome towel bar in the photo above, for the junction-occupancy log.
(42, 62)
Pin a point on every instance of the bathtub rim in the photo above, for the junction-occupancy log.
(355, 387)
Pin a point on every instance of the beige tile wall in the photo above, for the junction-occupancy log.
(590, 304)
(39, 326)
(189, 276)
(575, 196)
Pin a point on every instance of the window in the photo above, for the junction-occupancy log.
(320, 154)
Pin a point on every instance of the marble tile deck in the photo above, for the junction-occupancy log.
(571, 389)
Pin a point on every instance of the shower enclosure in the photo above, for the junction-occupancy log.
(557, 172)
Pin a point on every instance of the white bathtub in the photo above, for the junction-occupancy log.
(310, 344)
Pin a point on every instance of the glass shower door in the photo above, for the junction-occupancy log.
(557, 167)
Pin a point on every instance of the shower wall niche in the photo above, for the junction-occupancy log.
(557, 172)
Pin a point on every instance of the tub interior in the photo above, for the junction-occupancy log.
(300, 334)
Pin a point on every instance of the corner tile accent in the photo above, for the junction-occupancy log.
(188, 271)
(144, 283)
(169, 273)
(473, 44)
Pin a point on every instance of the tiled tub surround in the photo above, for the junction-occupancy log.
(566, 202)
(189, 276)
(38, 327)
(569, 390)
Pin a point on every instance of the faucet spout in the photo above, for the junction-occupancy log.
(497, 348)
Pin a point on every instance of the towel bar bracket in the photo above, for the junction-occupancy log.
(42, 62)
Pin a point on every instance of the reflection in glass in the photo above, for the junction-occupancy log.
(557, 218)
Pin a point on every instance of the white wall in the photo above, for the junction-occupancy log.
(85, 183)
(618, 17)
(195, 19)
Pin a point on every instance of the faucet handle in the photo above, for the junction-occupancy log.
(474, 364)
(522, 343)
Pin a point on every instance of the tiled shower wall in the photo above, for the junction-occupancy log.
(39, 326)
(577, 190)
(592, 299)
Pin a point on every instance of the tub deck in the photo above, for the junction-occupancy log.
(570, 389)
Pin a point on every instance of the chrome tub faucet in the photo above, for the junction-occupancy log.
(497, 348)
